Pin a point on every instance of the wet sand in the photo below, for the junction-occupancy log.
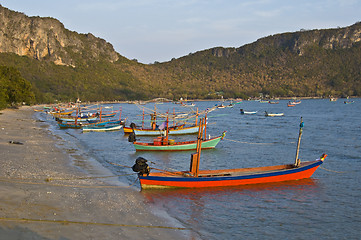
(43, 196)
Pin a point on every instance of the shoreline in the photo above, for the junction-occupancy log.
(45, 196)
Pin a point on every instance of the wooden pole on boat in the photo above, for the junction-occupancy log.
(120, 113)
(173, 117)
(143, 119)
(195, 157)
(205, 126)
(101, 111)
(76, 116)
(197, 117)
(167, 131)
(297, 160)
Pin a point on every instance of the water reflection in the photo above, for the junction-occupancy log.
(202, 210)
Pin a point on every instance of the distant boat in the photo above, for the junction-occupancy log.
(267, 114)
(348, 102)
(247, 112)
(332, 99)
(295, 102)
(289, 104)
(271, 102)
(195, 178)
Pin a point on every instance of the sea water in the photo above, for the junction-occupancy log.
(326, 206)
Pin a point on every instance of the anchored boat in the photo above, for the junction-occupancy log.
(195, 178)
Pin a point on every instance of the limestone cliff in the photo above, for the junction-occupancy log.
(298, 42)
(47, 39)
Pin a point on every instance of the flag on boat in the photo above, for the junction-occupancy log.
(162, 126)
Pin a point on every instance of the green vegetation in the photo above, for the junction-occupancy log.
(14, 89)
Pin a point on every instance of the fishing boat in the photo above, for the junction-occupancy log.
(85, 118)
(267, 114)
(178, 130)
(289, 104)
(195, 178)
(295, 102)
(104, 128)
(155, 130)
(247, 112)
(163, 143)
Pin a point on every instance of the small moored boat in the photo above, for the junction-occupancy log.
(247, 112)
(267, 114)
(105, 128)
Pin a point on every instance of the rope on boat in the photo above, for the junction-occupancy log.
(172, 171)
(331, 170)
(247, 142)
(86, 223)
(118, 164)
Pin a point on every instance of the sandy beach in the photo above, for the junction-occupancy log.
(43, 196)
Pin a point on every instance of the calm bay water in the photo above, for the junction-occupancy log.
(323, 207)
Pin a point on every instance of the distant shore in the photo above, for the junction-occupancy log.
(43, 196)
(199, 100)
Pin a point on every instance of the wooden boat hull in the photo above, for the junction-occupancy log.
(108, 115)
(102, 128)
(248, 113)
(274, 114)
(230, 177)
(78, 120)
(149, 132)
(127, 130)
(70, 125)
(182, 146)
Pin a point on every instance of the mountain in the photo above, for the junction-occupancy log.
(47, 39)
(64, 65)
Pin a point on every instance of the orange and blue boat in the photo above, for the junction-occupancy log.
(195, 178)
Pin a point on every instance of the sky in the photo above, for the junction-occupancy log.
(159, 30)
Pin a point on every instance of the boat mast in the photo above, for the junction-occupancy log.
(76, 116)
(197, 117)
(143, 119)
(297, 160)
(167, 130)
(205, 126)
(195, 157)
(101, 111)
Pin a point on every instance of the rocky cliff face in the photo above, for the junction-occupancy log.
(298, 42)
(47, 39)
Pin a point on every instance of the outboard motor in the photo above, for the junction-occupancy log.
(131, 137)
(141, 166)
